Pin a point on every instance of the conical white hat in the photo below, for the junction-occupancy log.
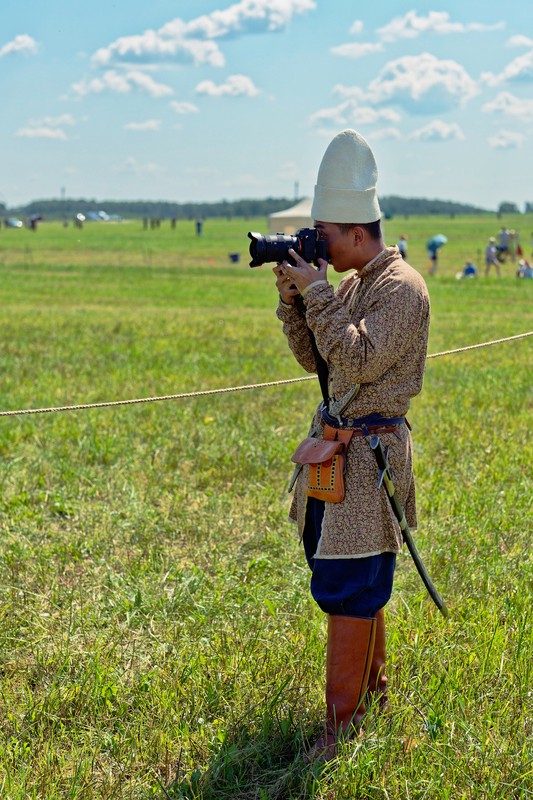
(345, 190)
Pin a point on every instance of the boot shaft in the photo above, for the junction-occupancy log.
(349, 661)
(377, 680)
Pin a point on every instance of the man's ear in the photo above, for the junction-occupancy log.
(358, 235)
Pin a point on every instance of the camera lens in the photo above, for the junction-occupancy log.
(257, 248)
(270, 248)
(276, 247)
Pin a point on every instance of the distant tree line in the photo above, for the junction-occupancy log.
(68, 208)
(391, 206)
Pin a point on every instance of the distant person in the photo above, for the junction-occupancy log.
(402, 246)
(433, 255)
(491, 257)
(469, 271)
(524, 269)
(199, 227)
(514, 246)
(433, 247)
(503, 243)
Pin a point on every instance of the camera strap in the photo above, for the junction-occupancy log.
(321, 363)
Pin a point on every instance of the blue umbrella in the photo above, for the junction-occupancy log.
(436, 241)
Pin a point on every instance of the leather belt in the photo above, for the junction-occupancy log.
(372, 423)
(374, 429)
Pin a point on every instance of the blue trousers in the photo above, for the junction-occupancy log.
(355, 587)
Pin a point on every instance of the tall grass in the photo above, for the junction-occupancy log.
(157, 636)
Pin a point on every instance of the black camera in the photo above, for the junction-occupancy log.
(276, 247)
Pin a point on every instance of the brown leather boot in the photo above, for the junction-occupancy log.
(349, 657)
(377, 680)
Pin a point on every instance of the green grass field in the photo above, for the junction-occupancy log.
(157, 635)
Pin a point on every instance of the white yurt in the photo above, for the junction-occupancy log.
(291, 219)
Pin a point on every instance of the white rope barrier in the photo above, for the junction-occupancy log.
(226, 390)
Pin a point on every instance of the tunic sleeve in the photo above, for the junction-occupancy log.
(396, 313)
(295, 329)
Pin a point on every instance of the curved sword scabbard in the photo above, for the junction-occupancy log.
(386, 480)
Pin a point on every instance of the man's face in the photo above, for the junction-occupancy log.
(342, 249)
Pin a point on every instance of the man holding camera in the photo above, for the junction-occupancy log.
(372, 334)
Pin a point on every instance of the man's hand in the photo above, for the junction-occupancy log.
(303, 274)
(286, 288)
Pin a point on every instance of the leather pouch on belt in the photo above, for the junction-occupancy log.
(327, 463)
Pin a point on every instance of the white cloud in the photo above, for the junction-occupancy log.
(147, 84)
(132, 167)
(192, 42)
(350, 112)
(42, 132)
(411, 25)
(352, 92)
(183, 107)
(111, 80)
(510, 106)
(151, 48)
(235, 85)
(123, 83)
(147, 125)
(55, 122)
(336, 115)
(357, 49)
(386, 133)
(246, 16)
(420, 84)
(437, 131)
(20, 44)
(364, 115)
(520, 70)
(357, 26)
(506, 140)
(47, 128)
(423, 84)
(519, 41)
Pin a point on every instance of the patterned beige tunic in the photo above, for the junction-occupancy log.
(373, 331)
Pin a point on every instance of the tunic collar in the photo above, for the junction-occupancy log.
(379, 260)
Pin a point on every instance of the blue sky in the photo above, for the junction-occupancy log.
(212, 99)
